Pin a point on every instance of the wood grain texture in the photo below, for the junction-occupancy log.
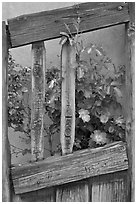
(109, 188)
(6, 157)
(8, 194)
(130, 103)
(37, 100)
(72, 167)
(42, 195)
(47, 25)
(68, 63)
(75, 192)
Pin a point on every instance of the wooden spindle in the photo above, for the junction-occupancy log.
(38, 97)
(68, 98)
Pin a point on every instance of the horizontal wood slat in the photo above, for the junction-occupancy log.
(47, 25)
(73, 167)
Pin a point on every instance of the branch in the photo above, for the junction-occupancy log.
(22, 131)
(16, 147)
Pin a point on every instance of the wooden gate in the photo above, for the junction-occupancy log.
(101, 174)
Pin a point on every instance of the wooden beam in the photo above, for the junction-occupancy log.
(38, 98)
(72, 167)
(68, 59)
(130, 103)
(48, 25)
(6, 157)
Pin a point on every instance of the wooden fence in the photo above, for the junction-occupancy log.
(101, 174)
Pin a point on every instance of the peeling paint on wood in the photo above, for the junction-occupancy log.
(37, 100)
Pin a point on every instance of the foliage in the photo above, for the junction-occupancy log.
(99, 118)
(18, 101)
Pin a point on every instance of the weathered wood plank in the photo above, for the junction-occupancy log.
(75, 192)
(42, 195)
(6, 158)
(68, 63)
(38, 98)
(109, 188)
(8, 194)
(48, 25)
(130, 103)
(72, 167)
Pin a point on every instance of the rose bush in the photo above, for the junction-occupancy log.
(99, 113)
(99, 116)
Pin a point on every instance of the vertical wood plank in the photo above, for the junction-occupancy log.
(42, 195)
(109, 188)
(75, 192)
(130, 87)
(6, 157)
(38, 97)
(68, 98)
(8, 194)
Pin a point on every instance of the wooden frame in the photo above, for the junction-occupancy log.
(27, 29)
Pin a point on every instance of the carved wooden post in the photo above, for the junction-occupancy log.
(38, 97)
(76, 192)
(68, 98)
